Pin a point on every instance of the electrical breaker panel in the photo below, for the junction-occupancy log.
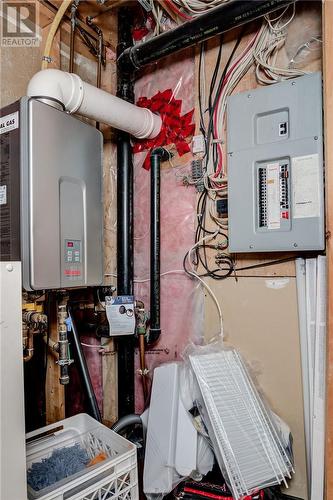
(51, 208)
(275, 167)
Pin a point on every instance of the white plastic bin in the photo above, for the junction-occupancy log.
(112, 479)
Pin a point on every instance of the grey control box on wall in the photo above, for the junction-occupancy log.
(53, 209)
(275, 167)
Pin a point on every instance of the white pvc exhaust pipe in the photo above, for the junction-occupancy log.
(84, 99)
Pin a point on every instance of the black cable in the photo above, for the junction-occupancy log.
(266, 264)
(211, 87)
(48, 334)
(200, 256)
(202, 120)
(237, 269)
(218, 91)
(215, 73)
(215, 273)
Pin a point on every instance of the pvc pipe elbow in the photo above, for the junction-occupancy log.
(79, 97)
(65, 87)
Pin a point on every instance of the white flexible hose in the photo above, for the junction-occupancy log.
(53, 29)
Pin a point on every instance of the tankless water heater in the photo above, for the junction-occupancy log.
(51, 212)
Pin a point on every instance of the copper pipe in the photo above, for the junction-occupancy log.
(143, 367)
(29, 347)
(32, 321)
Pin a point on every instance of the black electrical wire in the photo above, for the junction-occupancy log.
(226, 265)
(48, 334)
(266, 264)
(215, 73)
(211, 88)
(201, 111)
(237, 269)
(219, 273)
(210, 129)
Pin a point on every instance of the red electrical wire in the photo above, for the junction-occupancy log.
(177, 11)
(229, 73)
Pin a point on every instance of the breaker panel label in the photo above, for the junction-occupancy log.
(273, 196)
(306, 186)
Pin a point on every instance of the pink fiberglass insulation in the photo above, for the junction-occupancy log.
(181, 297)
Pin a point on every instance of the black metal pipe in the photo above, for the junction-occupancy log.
(83, 369)
(125, 255)
(156, 156)
(214, 22)
(124, 215)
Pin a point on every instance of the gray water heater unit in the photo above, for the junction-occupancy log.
(51, 210)
(275, 167)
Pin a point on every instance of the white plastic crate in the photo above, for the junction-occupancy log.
(115, 478)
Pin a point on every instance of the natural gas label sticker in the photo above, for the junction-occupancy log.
(9, 122)
(306, 186)
(273, 196)
(3, 195)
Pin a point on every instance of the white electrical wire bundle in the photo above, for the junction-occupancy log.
(158, 14)
(267, 71)
(196, 7)
(262, 50)
(180, 10)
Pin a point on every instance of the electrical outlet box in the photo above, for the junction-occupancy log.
(51, 207)
(275, 167)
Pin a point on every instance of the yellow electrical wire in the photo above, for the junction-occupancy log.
(54, 27)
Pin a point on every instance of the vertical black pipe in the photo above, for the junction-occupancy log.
(83, 370)
(156, 156)
(125, 346)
